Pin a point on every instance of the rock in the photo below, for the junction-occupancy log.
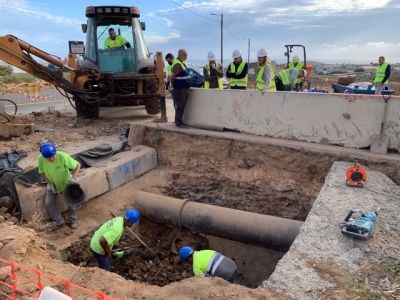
(2, 218)
(5, 272)
(7, 239)
(40, 267)
(4, 209)
(184, 273)
(8, 215)
(21, 250)
(14, 220)
(1, 245)
(309, 289)
(23, 137)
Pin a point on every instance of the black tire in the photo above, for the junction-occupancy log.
(89, 111)
(153, 106)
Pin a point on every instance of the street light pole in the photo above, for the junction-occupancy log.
(222, 36)
(248, 50)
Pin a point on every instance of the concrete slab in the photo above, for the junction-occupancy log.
(92, 180)
(127, 165)
(136, 134)
(31, 200)
(321, 240)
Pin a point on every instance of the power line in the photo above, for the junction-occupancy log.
(193, 12)
(233, 34)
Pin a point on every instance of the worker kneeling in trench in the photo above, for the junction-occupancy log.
(108, 236)
(209, 263)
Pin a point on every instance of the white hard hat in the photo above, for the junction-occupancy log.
(296, 58)
(236, 53)
(211, 56)
(305, 72)
(262, 53)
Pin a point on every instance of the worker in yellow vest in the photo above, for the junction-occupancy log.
(299, 66)
(285, 80)
(265, 77)
(237, 71)
(170, 59)
(209, 263)
(213, 73)
(382, 75)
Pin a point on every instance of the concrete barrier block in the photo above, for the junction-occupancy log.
(127, 165)
(136, 135)
(94, 182)
(32, 199)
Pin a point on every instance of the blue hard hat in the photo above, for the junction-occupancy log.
(185, 252)
(48, 149)
(132, 215)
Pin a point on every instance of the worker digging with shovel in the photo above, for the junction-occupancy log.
(107, 237)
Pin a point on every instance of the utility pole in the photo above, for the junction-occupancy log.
(248, 50)
(222, 36)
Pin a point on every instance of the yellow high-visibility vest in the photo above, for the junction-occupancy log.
(260, 82)
(299, 66)
(285, 76)
(380, 73)
(207, 83)
(238, 82)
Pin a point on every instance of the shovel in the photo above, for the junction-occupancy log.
(380, 142)
(130, 249)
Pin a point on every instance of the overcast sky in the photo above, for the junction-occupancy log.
(332, 31)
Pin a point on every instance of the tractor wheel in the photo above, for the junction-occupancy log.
(89, 111)
(153, 106)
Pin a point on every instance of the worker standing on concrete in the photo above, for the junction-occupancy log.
(286, 79)
(213, 73)
(181, 82)
(108, 236)
(299, 66)
(238, 71)
(382, 75)
(265, 77)
(55, 167)
(170, 60)
(209, 263)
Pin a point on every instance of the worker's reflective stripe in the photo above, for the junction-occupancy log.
(211, 261)
(380, 73)
(207, 83)
(216, 265)
(285, 76)
(299, 67)
(238, 82)
(181, 78)
(260, 82)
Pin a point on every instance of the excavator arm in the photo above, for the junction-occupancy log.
(18, 53)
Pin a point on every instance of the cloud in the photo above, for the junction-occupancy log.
(150, 14)
(159, 39)
(382, 44)
(168, 21)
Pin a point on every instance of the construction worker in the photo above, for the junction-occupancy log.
(107, 237)
(181, 82)
(115, 41)
(286, 78)
(299, 66)
(238, 71)
(209, 263)
(213, 73)
(170, 59)
(382, 75)
(55, 168)
(265, 77)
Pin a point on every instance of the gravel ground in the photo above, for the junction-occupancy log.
(320, 238)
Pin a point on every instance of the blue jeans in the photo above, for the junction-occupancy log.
(102, 260)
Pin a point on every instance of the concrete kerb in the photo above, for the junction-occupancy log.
(123, 167)
(320, 238)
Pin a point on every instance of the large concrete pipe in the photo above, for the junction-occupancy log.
(242, 226)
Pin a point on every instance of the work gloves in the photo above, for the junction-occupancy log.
(72, 181)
